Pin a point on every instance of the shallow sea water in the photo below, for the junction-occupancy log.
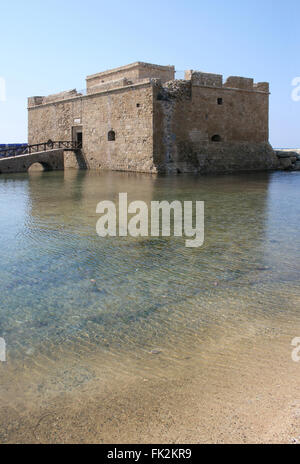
(77, 309)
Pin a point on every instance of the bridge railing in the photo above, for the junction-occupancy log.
(38, 147)
(6, 149)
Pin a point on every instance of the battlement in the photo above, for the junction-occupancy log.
(140, 73)
(203, 79)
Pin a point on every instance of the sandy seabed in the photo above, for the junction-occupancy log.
(243, 392)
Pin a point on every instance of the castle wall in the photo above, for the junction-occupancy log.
(126, 111)
(190, 113)
(129, 114)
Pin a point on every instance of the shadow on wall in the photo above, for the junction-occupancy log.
(81, 160)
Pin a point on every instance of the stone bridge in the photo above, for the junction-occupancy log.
(49, 160)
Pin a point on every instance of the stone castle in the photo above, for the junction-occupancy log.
(139, 118)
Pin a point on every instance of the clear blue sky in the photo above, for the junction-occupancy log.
(49, 46)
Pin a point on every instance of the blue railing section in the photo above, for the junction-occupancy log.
(11, 149)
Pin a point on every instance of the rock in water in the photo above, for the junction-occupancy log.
(156, 351)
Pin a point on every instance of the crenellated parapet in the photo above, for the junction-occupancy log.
(203, 79)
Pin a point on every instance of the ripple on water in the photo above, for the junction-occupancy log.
(82, 307)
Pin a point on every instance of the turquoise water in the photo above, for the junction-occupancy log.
(67, 295)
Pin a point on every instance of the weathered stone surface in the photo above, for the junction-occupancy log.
(74, 160)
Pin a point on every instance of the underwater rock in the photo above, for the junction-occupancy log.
(156, 351)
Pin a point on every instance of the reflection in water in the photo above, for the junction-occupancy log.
(75, 307)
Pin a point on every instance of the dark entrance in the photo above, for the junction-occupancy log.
(79, 139)
(77, 135)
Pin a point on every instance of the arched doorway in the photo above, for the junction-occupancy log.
(216, 138)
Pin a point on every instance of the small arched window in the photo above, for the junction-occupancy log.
(216, 138)
(111, 136)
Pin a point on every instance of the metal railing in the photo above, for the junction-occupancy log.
(39, 147)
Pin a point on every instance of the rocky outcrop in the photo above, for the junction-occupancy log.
(289, 160)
